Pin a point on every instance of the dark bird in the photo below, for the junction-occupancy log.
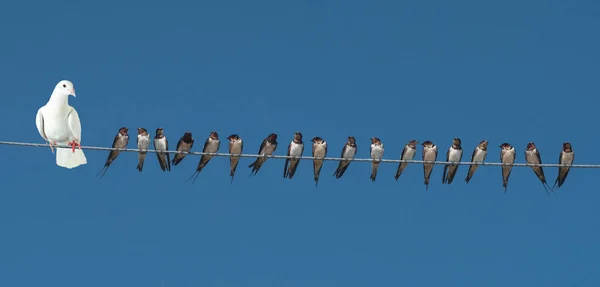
(348, 152)
(454, 154)
(376, 154)
(532, 155)
(143, 142)
(162, 144)
(120, 141)
(268, 146)
(478, 156)
(236, 146)
(211, 145)
(507, 155)
(408, 153)
(295, 149)
(319, 150)
(185, 144)
(566, 157)
(430, 153)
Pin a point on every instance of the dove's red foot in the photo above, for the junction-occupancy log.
(74, 144)
(51, 148)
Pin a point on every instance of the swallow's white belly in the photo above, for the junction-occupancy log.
(409, 154)
(479, 155)
(454, 155)
(376, 152)
(296, 149)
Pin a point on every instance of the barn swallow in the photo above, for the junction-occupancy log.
(319, 150)
(185, 144)
(120, 141)
(454, 154)
(376, 154)
(566, 157)
(479, 155)
(408, 153)
(532, 155)
(236, 146)
(161, 143)
(295, 148)
(143, 142)
(211, 145)
(430, 153)
(267, 148)
(507, 155)
(348, 152)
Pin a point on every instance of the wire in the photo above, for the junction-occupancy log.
(305, 157)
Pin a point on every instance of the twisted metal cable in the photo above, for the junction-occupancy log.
(304, 157)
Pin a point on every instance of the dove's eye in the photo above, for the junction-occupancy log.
(64, 86)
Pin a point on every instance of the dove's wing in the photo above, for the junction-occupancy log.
(39, 122)
(74, 125)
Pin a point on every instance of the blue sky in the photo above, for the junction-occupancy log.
(515, 71)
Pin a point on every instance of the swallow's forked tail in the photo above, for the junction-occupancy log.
(104, 169)
(141, 158)
(65, 157)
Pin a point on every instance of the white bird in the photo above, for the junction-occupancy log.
(58, 124)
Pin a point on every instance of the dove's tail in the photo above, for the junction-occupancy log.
(65, 157)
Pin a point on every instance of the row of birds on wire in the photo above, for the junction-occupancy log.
(319, 150)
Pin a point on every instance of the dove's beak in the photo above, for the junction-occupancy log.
(72, 92)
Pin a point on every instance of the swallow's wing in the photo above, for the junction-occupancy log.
(179, 143)
(475, 152)
(537, 155)
(344, 150)
(314, 146)
(205, 144)
(262, 146)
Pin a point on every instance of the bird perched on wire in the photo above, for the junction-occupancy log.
(143, 142)
(236, 146)
(211, 145)
(296, 148)
(348, 152)
(185, 144)
(58, 124)
(267, 148)
(121, 140)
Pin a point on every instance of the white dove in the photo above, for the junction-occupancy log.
(58, 124)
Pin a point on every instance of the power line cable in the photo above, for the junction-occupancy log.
(23, 144)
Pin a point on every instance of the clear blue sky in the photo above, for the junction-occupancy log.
(515, 71)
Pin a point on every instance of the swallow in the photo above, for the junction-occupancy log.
(295, 148)
(319, 150)
(236, 145)
(507, 155)
(408, 153)
(532, 155)
(120, 141)
(185, 144)
(454, 154)
(430, 153)
(566, 157)
(376, 154)
(479, 155)
(162, 144)
(348, 152)
(267, 148)
(211, 145)
(143, 142)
